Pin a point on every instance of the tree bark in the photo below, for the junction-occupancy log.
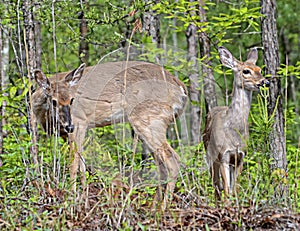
(271, 60)
(83, 46)
(38, 38)
(151, 25)
(191, 35)
(291, 91)
(184, 131)
(207, 72)
(1, 89)
(29, 34)
(30, 48)
(4, 62)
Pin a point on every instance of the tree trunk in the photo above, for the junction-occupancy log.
(30, 49)
(271, 60)
(151, 25)
(207, 72)
(4, 62)
(291, 91)
(184, 131)
(191, 35)
(38, 38)
(83, 27)
(1, 89)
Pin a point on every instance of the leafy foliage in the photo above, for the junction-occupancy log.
(43, 200)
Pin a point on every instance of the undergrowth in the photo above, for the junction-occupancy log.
(120, 191)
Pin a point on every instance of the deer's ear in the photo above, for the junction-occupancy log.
(42, 80)
(252, 56)
(74, 76)
(227, 58)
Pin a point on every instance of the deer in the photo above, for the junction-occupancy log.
(227, 130)
(52, 100)
(143, 94)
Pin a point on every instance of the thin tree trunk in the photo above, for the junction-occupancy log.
(191, 35)
(1, 89)
(207, 72)
(38, 39)
(29, 39)
(291, 91)
(4, 61)
(271, 60)
(83, 46)
(184, 132)
(151, 25)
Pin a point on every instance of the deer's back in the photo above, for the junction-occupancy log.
(113, 90)
(116, 76)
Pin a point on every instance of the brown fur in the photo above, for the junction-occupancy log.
(226, 130)
(143, 94)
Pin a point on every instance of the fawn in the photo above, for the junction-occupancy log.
(226, 130)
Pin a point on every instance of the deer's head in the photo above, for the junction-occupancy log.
(60, 96)
(247, 74)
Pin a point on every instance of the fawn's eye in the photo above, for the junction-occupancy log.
(246, 72)
(54, 103)
(72, 100)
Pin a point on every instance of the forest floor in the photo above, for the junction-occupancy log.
(117, 206)
(112, 209)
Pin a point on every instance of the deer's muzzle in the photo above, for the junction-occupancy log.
(67, 121)
(69, 128)
(264, 83)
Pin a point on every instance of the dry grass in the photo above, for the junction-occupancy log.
(119, 207)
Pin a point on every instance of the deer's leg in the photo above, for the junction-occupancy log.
(233, 177)
(215, 174)
(152, 129)
(78, 161)
(237, 170)
(167, 162)
(225, 173)
(236, 166)
(74, 162)
(169, 169)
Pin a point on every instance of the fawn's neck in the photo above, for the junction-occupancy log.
(241, 103)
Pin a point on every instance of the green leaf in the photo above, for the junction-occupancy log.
(12, 91)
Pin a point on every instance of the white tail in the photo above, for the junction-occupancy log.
(226, 131)
(141, 93)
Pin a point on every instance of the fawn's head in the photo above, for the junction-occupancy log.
(247, 74)
(60, 96)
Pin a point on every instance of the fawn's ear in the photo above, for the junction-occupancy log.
(227, 58)
(252, 56)
(74, 76)
(42, 80)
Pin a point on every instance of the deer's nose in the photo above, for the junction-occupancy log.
(264, 83)
(69, 128)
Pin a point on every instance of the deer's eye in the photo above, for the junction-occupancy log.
(54, 103)
(246, 72)
(72, 100)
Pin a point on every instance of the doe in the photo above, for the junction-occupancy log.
(143, 94)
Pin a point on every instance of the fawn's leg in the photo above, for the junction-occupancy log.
(215, 174)
(225, 173)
